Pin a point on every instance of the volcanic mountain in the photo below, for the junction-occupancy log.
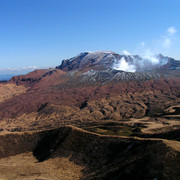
(88, 88)
(102, 60)
(93, 92)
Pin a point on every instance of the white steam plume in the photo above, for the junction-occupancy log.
(124, 66)
(148, 59)
(125, 52)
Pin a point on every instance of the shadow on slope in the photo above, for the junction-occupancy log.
(103, 157)
(108, 157)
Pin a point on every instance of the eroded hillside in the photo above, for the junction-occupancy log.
(84, 93)
(73, 153)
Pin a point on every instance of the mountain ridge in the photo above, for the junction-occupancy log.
(105, 59)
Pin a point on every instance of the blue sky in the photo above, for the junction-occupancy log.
(43, 32)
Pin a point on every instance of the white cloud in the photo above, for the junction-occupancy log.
(171, 30)
(22, 70)
(19, 69)
(125, 52)
(166, 42)
(142, 44)
(29, 67)
(168, 38)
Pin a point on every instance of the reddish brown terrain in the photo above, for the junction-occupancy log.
(113, 110)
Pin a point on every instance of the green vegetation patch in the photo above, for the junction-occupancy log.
(120, 130)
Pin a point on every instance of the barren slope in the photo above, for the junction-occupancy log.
(9, 90)
(72, 153)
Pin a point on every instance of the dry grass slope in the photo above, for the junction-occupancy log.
(8, 91)
(73, 153)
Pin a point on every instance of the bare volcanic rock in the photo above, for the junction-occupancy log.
(98, 60)
(102, 60)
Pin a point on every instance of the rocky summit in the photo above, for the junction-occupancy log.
(103, 115)
(103, 60)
